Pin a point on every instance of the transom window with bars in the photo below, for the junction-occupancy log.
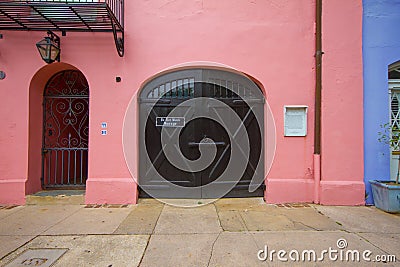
(185, 88)
(181, 88)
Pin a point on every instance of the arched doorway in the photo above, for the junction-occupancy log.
(65, 131)
(174, 92)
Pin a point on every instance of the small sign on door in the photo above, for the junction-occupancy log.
(170, 121)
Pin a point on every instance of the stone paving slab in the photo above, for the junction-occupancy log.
(91, 250)
(55, 200)
(11, 243)
(91, 221)
(235, 249)
(390, 243)
(254, 215)
(262, 221)
(6, 211)
(187, 203)
(244, 204)
(149, 201)
(231, 221)
(179, 250)
(34, 220)
(174, 220)
(141, 220)
(362, 219)
(310, 218)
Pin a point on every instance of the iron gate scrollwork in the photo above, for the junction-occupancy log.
(65, 131)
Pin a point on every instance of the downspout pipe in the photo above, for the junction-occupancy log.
(318, 100)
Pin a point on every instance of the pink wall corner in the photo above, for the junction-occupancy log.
(130, 141)
(12, 192)
(33, 183)
(111, 191)
(14, 112)
(13, 136)
(342, 193)
(342, 101)
(289, 190)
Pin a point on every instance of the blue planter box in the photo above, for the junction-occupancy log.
(386, 197)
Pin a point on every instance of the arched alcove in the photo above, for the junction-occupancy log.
(36, 93)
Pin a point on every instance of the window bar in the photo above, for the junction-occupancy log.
(173, 88)
(168, 89)
(55, 167)
(219, 89)
(235, 88)
(180, 88)
(186, 87)
(81, 166)
(74, 166)
(229, 86)
(223, 89)
(191, 87)
(69, 166)
(49, 168)
(214, 88)
(162, 90)
(155, 94)
(62, 167)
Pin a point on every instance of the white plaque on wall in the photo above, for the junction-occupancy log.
(295, 120)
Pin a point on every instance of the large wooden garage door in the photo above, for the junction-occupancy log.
(173, 91)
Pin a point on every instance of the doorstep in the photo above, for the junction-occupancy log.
(57, 197)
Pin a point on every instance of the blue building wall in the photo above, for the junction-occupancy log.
(381, 47)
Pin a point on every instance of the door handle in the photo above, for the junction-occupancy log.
(195, 144)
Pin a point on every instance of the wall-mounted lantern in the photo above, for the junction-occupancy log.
(49, 48)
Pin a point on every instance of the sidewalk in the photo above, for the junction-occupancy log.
(229, 232)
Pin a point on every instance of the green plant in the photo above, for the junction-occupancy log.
(390, 135)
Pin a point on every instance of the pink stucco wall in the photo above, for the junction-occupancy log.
(342, 105)
(272, 41)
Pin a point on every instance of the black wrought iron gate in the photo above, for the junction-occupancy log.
(65, 131)
(162, 95)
